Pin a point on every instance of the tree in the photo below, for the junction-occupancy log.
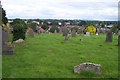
(82, 23)
(19, 29)
(53, 29)
(45, 25)
(32, 25)
(4, 18)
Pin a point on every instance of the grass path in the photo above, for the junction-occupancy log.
(49, 56)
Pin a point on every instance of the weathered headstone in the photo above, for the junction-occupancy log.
(65, 32)
(30, 32)
(109, 36)
(55, 31)
(87, 67)
(88, 34)
(7, 48)
(19, 41)
(73, 33)
(80, 31)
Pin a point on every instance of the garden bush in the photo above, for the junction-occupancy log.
(92, 29)
(19, 29)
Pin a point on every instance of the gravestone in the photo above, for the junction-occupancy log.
(65, 32)
(19, 41)
(55, 31)
(109, 36)
(119, 38)
(80, 31)
(30, 32)
(88, 34)
(97, 34)
(7, 48)
(87, 67)
(73, 33)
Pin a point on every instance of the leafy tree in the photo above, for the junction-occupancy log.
(32, 25)
(115, 28)
(4, 18)
(54, 28)
(45, 25)
(82, 23)
(19, 29)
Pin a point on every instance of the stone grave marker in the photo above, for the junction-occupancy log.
(7, 48)
(119, 38)
(88, 34)
(65, 32)
(97, 34)
(109, 36)
(30, 32)
(80, 31)
(88, 67)
(73, 33)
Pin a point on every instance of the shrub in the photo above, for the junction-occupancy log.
(19, 29)
(53, 29)
(32, 25)
(92, 29)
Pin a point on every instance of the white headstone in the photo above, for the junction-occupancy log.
(96, 33)
(88, 34)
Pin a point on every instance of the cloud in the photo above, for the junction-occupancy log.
(62, 9)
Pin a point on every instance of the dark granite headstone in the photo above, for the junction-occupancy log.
(109, 36)
(119, 40)
(7, 48)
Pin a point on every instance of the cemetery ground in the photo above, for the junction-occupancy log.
(50, 56)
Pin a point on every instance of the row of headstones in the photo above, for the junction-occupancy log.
(7, 46)
(109, 35)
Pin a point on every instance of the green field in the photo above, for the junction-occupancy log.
(49, 56)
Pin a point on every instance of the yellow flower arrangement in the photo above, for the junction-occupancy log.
(91, 29)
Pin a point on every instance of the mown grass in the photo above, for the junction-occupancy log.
(49, 56)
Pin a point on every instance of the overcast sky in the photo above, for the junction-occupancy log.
(62, 9)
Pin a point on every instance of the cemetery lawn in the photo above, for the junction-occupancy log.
(49, 56)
